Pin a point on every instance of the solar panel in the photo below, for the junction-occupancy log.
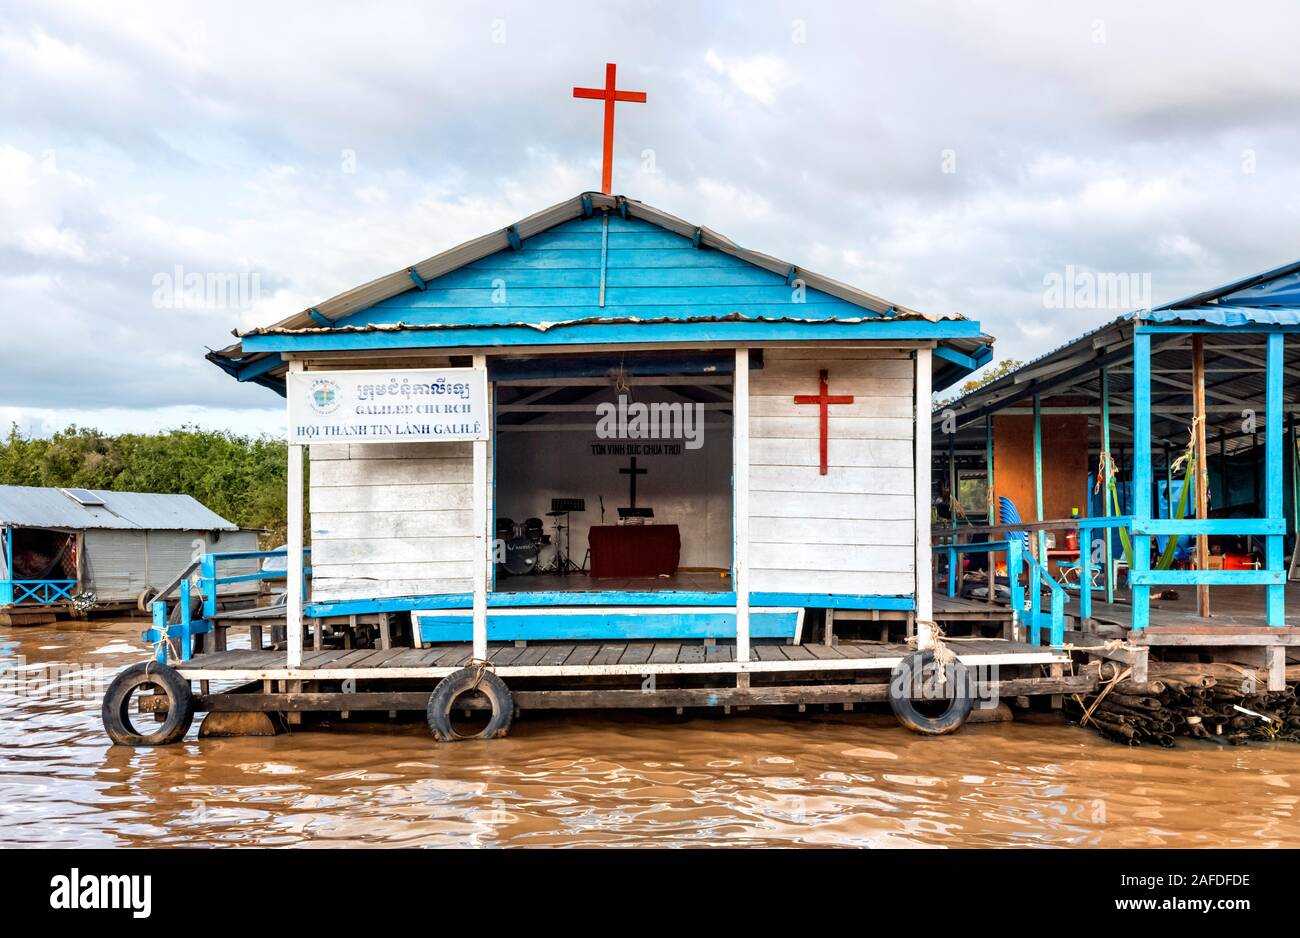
(83, 497)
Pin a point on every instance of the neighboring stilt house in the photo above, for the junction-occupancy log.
(1155, 456)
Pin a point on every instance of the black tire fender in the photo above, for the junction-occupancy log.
(904, 678)
(465, 681)
(143, 601)
(116, 711)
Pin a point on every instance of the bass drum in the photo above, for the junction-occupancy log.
(521, 556)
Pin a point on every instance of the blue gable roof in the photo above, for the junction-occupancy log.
(650, 274)
(599, 270)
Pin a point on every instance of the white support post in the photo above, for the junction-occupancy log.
(294, 578)
(924, 574)
(740, 500)
(479, 569)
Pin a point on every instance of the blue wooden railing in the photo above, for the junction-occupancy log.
(44, 592)
(206, 583)
(1020, 563)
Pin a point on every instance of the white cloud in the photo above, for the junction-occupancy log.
(759, 76)
(136, 139)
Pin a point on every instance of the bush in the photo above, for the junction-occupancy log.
(241, 478)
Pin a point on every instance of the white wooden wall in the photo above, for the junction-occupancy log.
(390, 519)
(853, 529)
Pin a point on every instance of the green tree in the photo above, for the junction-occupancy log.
(241, 478)
(988, 376)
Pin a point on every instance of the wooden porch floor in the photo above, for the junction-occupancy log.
(1230, 606)
(578, 658)
(1236, 616)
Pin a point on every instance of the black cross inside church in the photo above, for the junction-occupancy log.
(631, 471)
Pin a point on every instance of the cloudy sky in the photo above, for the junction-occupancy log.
(947, 156)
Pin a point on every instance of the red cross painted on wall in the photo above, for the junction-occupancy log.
(823, 399)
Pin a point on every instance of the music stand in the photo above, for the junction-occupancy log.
(563, 564)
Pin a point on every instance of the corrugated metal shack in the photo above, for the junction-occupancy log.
(93, 549)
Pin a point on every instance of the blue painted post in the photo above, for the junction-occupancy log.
(187, 635)
(1105, 488)
(7, 587)
(1014, 561)
(159, 631)
(1035, 586)
(1276, 609)
(1141, 595)
(1058, 618)
(208, 584)
(1085, 574)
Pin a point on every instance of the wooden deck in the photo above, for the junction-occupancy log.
(1236, 618)
(564, 659)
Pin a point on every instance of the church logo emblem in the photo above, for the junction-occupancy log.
(324, 396)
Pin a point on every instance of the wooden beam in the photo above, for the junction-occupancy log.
(714, 697)
(921, 489)
(480, 501)
(1202, 475)
(294, 580)
(740, 503)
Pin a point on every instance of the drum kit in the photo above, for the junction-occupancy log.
(525, 542)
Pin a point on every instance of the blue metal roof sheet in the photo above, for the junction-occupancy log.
(1225, 316)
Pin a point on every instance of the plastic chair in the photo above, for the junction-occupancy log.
(1007, 514)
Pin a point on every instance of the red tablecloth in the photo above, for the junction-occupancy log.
(634, 550)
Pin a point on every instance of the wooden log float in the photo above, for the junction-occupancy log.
(1222, 703)
(291, 702)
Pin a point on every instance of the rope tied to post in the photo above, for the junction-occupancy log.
(164, 643)
(1106, 470)
(481, 666)
(944, 656)
(1189, 453)
(1110, 686)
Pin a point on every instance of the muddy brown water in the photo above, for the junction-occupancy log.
(565, 779)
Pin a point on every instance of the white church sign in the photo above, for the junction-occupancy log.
(388, 406)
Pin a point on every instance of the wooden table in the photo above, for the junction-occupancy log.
(633, 550)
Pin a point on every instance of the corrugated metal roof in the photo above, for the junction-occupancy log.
(1213, 307)
(604, 320)
(398, 282)
(34, 507)
(1226, 316)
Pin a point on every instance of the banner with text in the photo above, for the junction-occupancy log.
(388, 406)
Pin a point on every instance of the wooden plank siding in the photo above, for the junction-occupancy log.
(850, 531)
(391, 519)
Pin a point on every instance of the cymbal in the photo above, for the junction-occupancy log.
(555, 514)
